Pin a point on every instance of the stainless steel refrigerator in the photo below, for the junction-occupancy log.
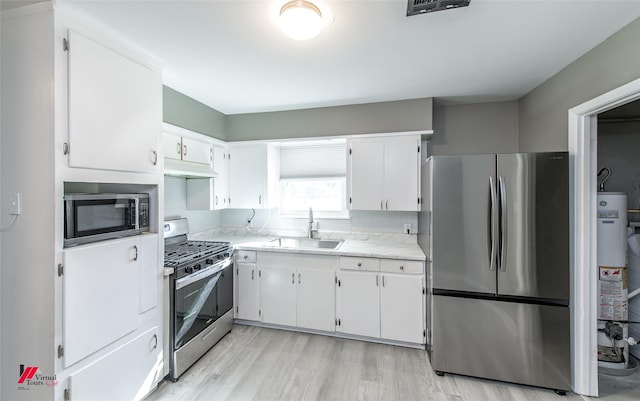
(497, 238)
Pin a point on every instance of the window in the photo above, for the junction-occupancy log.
(313, 175)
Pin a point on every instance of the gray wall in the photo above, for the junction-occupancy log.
(475, 128)
(185, 112)
(543, 111)
(404, 115)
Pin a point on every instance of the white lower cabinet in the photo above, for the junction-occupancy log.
(369, 297)
(402, 308)
(248, 288)
(316, 297)
(297, 290)
(128, 373)
(358, 303)
(100, 301)
(278, 294)
(388, 304)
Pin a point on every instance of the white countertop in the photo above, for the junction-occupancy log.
(350, 247)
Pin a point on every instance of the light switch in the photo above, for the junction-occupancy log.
(15, 203)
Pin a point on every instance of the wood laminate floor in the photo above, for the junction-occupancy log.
(253, 363)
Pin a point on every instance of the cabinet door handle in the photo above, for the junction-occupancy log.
(260, 200)
(359, 264)
(245, 257)
(293, 278)
(155, 157)
(377, 285)
(401, 267)
(216, 200)
(252, 274)
(386, 205)
(381, 202)
(298, 278)
(155, 341)
(383, 281)
(184, 152)
(179, 148)
(135, 248)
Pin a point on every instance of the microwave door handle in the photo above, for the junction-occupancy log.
(136, 212)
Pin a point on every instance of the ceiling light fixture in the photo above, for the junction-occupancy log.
(300, 19)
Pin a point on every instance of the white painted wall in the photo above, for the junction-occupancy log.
(27, 135)
(175, 205)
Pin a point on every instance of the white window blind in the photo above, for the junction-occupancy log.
(313, 159)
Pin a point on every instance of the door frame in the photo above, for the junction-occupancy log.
(583, 163)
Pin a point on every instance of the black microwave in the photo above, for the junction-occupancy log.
(98, 217)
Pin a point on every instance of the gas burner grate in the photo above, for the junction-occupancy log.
(179, 254)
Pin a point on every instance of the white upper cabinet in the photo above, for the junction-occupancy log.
(115, 108)
(197, 150)
(172, 144)
(384, 173)
(221, 182)
(186, 152)
(253, 175)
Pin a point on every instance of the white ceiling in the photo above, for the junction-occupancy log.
(230, 56)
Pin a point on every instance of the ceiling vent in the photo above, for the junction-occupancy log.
(415, 7)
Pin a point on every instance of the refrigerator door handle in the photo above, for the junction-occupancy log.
(492, 238)
(503, 224)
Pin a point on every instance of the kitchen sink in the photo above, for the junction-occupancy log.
(305, 243)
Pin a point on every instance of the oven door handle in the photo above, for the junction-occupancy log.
(202, 274)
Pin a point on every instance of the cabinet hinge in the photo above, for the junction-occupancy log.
(60, 269)
(65, 44)
(65, 148)
(60, 351)
(67, 395)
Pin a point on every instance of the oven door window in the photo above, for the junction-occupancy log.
(103, 216)
(195, 308)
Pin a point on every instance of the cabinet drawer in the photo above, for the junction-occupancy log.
(401, 266)
(246, 256)
(356, 263)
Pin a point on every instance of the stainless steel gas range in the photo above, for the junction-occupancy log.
(201, 294)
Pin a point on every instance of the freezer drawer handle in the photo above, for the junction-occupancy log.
(503, 226)
(492, 237)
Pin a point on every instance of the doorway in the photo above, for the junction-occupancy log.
(583, 141)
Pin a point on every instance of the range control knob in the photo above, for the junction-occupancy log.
(197, 266)
(208, 261)
(188, 269)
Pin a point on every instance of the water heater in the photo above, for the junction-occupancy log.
(612, 229)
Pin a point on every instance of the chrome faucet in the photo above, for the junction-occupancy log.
(310, 229)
